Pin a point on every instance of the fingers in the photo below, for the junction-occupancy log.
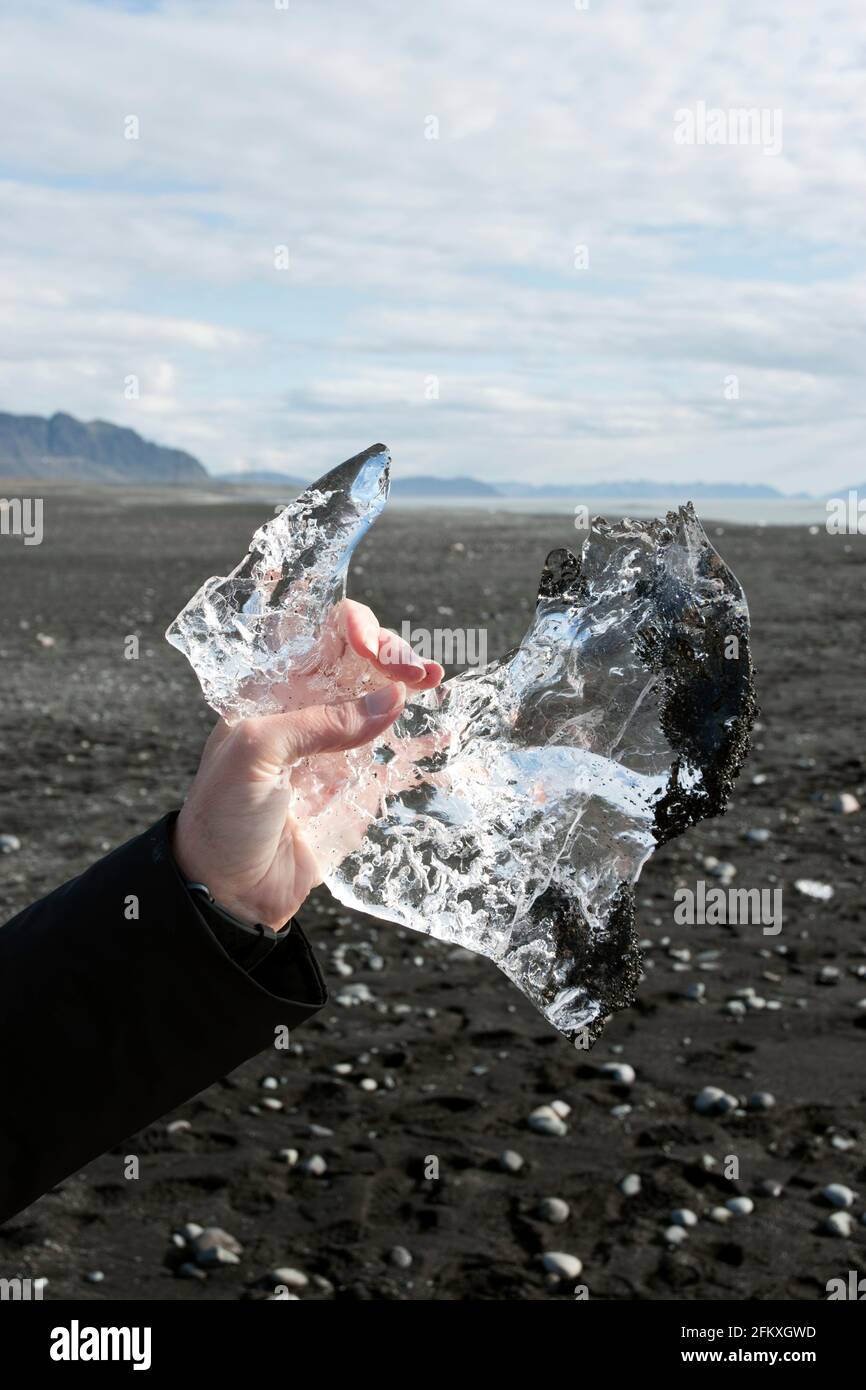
(279, 740)
(391, 655)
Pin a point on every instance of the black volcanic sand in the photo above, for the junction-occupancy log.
(96, 747)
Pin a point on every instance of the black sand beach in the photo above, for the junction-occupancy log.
(95, 747)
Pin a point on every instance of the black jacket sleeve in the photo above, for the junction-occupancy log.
(117, 1003)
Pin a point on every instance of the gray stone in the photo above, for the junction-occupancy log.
(510, 1161)
(762, 1100)
(314, 1166)
(562, 1265)
(740, 1206)
(838, 1195)
(840, 1223)
(554, 1210)
(682, 1216)
(544, 1120)
(618, 1072)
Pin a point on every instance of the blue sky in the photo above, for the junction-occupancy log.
(433, 297)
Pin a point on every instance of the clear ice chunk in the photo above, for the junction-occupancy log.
(512, 809)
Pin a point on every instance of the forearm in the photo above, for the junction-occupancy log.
(117, 1003)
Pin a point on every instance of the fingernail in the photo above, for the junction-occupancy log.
(380, 701)
(393, 651)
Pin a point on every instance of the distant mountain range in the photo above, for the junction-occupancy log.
(62, 448)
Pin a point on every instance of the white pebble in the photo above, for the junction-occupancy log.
(762, 1100)
(675, 1235)
(314, 1166)
(510, 1161)
(292, 1278)
(841, 1223)
(562, 1265)
(351, 995)
(544, 1120)
(554, 1210)
(630, 1185)
(9, 843)
(714, 1101)
(719, 1214)
(682, 1216)
(400, 1257)
(838, 1195)
(740, 1206)
(811, 888)
(620, 1073)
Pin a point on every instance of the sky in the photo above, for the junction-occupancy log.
(522, 241)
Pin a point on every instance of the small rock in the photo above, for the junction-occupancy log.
(94, 1276)
(292, 1278)
(762, 1100)
(368, 1083)
(841, 1223)
(724, 871)
(843, 804)
(271, 1103)
(714, 1101)
(288, 1156)
(554, 1210)
(770, 1188)
(350, 995)
(314, 1166)
(510, 1161)
(544, 1120)
(683, 1217)
(562, 1265)
(9, 843)
(561, 1108)
(758, 836)
(620, 1073)
(719, 1214)
(400, 1257)
(740, 1206)
(696, 990)
(838, 1195)
(178, 1127)
(630, 1185)
(811, 888)
(675, 1235)
(828, 975)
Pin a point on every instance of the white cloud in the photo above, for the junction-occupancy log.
(451, 256)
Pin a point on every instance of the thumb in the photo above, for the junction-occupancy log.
(330, 728)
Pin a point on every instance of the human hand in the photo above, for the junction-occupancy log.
(239, 831)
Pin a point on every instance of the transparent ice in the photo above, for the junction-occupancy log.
(512, 809)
